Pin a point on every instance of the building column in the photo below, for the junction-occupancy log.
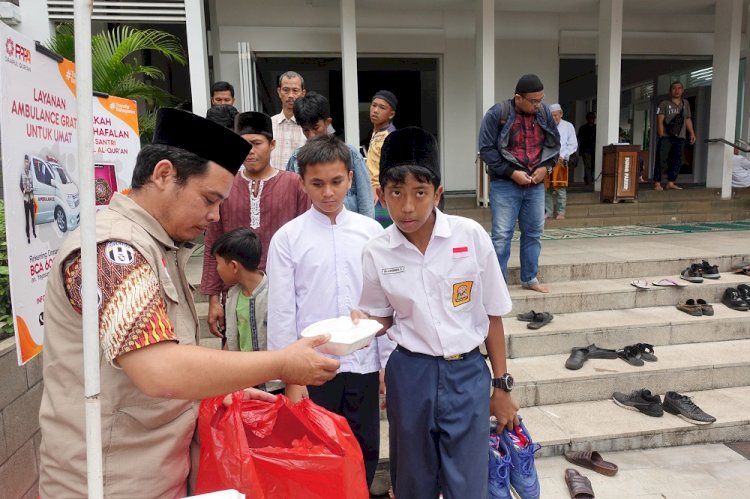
(197, 51)
(723, 116)
(609, 55)
(349, 71)
(485, 57)
(746, 94)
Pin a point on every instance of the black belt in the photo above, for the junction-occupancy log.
(460, 356)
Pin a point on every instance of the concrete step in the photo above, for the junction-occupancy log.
(544, 380)
(614, 294)
(635, 219)
(624, 306)
(704, 471)
(633, 267)
(616, 328)
(584, 208)
(603, 426)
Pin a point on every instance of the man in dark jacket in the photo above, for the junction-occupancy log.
(519, 143)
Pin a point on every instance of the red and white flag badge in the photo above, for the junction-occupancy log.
(460, 252)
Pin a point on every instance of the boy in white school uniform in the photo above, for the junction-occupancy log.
(315, 273)
(435, 281)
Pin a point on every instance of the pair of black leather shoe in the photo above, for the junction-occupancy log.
(737, 298)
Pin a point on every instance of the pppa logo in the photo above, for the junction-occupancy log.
(17, 51)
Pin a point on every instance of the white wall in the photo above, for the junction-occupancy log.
(34, 20)
(514, 60)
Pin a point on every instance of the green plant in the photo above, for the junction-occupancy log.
(116, 69)
(6, 313)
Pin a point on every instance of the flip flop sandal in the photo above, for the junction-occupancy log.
(640, 284)
(578, 485)
(646, 351)
(540, 319)
(630, 355)
(668, 283)
(526, 317)
(591, 460)
(706, 307)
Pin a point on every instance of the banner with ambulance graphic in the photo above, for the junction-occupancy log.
(40, 169)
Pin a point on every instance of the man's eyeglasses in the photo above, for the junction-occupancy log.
(535, 102)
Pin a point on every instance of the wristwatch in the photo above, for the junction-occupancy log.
(505, 382)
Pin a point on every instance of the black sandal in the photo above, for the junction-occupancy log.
(646, 351)
(526, 316)
(631, 355)
(540, 319)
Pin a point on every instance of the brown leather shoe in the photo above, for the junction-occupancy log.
(690, 307)
(578, 485)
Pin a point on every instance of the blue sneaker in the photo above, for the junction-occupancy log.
(499, 472)
(523, 475)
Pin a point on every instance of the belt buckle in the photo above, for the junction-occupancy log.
(458, 356)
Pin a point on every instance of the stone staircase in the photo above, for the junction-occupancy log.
(593, 302)
(706, 357)
(693, 204)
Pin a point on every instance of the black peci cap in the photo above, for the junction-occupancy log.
(410, 146)
(201, 137)
(252, 122)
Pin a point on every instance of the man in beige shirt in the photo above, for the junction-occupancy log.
(151, 367)
(287, 133)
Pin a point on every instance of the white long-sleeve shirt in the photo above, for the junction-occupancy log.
(568, 140)
(315, 273)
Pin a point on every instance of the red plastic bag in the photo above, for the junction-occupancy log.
(270, 450)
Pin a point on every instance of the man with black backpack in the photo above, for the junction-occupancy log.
(519, 143)
(674, 123)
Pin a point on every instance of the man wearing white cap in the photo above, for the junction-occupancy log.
(557, 183)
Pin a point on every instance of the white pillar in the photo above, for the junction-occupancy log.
(609, 56)
(349, 71)
(195, 27)
(746, 95)
(727, 31)
(35, 21)
(485, 56)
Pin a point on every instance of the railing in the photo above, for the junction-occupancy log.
(742, 148)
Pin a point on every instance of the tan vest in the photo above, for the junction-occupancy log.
(145, 440)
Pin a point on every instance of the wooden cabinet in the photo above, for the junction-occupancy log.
(619, 173)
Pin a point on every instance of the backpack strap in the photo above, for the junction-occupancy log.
(504, 112)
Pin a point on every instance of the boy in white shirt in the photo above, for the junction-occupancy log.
(315, 273)
(435, 281)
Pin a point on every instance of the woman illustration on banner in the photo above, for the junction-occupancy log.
(27, 189)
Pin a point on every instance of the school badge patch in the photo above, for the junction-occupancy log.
(462, 293)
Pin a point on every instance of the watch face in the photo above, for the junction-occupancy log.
(504, 383)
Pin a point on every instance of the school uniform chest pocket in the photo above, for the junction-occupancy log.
(460, 292)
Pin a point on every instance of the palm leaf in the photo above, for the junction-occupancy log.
(117, 68)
